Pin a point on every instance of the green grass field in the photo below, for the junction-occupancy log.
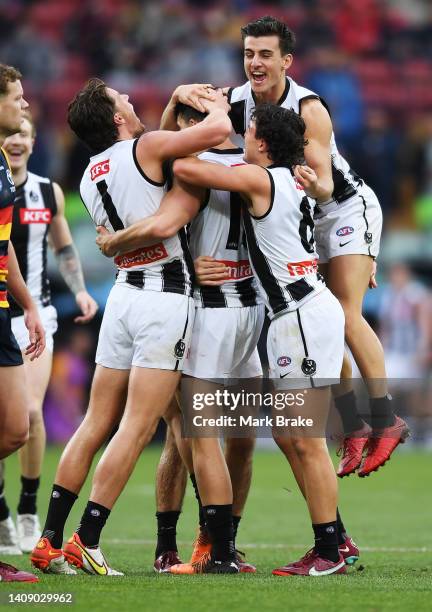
(388, 514)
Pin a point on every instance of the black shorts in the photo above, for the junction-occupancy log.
(10, 354)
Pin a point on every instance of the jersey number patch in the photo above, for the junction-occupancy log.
(305, 223)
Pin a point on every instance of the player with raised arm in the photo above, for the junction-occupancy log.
(348, 222)
(14, 402)
(227, 326)
(38, 220)
(147, 321)
(307, 321)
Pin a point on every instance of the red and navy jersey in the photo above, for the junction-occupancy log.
(33, 210)
(7, 196)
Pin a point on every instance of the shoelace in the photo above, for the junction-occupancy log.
(310, 553)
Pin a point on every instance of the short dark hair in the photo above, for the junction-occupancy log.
(91, 116)
(8, 74)
(283, 131)
(270, 26)
(188, 112)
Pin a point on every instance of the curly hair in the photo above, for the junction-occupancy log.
(270, 26)
(283, 131)
(8, 74)
(91, 116)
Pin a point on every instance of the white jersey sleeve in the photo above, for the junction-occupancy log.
(117, 193)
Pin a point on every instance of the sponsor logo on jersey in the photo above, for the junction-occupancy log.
(142, 257)
(238, 269)
(345, 231)
(301, 268)
(284, 361)
(35, 215)
(99, 169)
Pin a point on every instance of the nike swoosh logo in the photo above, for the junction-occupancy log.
(346, 549)
(100, 569)
(52, 554)
(315, 572)
(342, 244)
(283, 375)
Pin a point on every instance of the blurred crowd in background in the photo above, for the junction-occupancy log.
(370, 60)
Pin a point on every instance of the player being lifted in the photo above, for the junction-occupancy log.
(147, 321)
(278, 243)
(307, 321)
(38, 220)
(348, 223)
(227, 326)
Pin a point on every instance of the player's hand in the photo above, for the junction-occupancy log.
(307, 179)
(36, 333)
(194, 95)
(372, 280)
(219, 101)
(104, 240)
(210, 271)
(87, 305)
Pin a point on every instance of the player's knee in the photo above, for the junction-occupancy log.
(352, 318)
(14, 440)
(242, 448)
(35, 416)
(286, 445)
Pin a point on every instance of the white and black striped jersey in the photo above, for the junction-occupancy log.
(217, 231)
(282, 247)
(34, 208)
(242, 102)
(117, 193)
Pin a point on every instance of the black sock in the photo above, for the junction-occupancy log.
(236, 521)
(60, 505)
(326, 544)
(202, 520)
(346, 405)
(4, 508)
(341, 531)
(92, 522)
(27, 501)
(166, 533)
(381, 410)
(220, 527)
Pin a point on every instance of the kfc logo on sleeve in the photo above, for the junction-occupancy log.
(99, 169)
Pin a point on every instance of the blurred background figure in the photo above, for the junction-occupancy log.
(406, 324)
